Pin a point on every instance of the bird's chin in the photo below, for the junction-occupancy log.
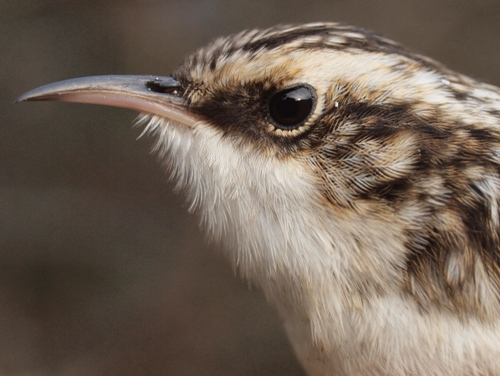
(173, 139)
(156, 124)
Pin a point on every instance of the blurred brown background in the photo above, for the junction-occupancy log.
(102, 271)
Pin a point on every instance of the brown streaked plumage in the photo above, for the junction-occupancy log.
(355, 182)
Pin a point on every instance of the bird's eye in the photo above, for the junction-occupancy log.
(290, 108)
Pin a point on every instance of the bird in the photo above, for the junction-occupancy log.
(356, 183)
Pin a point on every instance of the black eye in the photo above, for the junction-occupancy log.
(291, 107)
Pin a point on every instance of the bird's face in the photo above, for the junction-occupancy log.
(323, 155)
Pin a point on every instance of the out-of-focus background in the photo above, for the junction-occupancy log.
(102, 271)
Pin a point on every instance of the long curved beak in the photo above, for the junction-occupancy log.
(152, 94)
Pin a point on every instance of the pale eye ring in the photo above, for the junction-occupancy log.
(291, 107)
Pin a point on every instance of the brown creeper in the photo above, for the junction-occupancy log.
(355, 182)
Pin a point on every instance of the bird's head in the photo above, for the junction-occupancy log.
(323, 154)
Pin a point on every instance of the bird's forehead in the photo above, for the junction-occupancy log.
(307, 36)
(261, 49)
(319, 54)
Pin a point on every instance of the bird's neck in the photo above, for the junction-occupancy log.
(308, 257)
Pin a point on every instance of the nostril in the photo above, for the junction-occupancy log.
(164, 87)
